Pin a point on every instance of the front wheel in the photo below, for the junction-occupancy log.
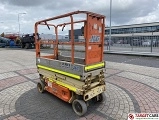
(79, 107)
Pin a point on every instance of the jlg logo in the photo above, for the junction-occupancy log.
(95, 38)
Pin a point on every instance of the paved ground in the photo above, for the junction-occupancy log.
(130, 88)
(119, 47)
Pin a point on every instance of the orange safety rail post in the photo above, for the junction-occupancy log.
(95, 39)
(94, 30)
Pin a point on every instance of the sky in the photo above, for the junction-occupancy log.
(124, 12)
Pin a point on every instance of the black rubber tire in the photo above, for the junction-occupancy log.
(26, 46)
(94, 99)
(41, 79)
(30, 46)
(99, 98)
(79, 107)
(40, 87)
(23, 45)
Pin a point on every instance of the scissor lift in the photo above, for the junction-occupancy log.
(74, 80)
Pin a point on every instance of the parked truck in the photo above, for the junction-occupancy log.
(27, 41)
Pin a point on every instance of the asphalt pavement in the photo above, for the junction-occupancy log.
(129, 59)
(135, 58)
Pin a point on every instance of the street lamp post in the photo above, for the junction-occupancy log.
(152, 41)
(132, 42)
(19, 21)
(3, 32)
(110, 23)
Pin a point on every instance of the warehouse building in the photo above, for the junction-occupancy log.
(134, 34)
(128, 33)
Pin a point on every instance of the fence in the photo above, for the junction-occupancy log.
(148, 45)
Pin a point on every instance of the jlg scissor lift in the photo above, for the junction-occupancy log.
(74, 80)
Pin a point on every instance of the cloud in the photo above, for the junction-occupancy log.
(24, 3)
(123, 11)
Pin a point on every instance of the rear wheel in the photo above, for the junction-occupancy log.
(30, 46)
(99, 98)
(26, 45)
(22, 45)
(79, 107)
(41, 87)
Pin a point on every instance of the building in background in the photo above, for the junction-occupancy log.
(77, 33)
(135, 32)
(128, 33)
(144, 34)
(61, 38)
